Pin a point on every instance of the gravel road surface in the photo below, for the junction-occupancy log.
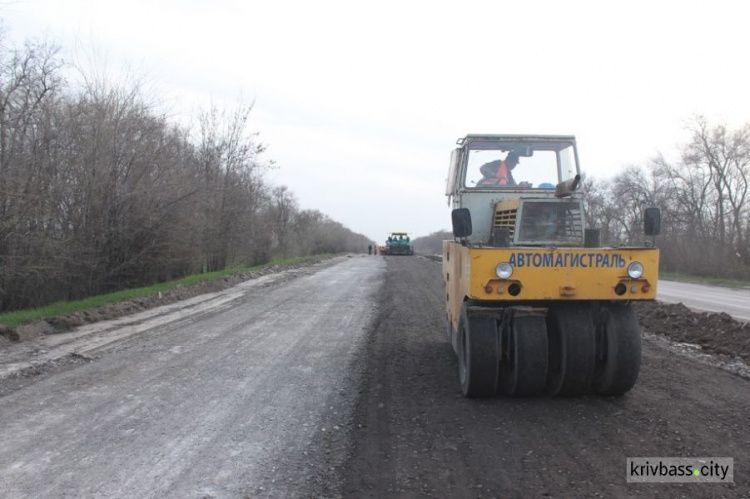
(235, 400)
(420, 438)
(338, 381)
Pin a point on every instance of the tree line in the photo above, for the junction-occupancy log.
(432, 244)
(99, 191)
(703, 197)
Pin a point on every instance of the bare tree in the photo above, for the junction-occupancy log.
(284, 209)
(703, 197)
(228, 154)
(724, 156)
(29, 81)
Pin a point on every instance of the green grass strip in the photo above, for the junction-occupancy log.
(21, 317)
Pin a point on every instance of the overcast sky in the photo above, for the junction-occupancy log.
(361, 102)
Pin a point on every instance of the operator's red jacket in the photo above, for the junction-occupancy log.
(496, 173)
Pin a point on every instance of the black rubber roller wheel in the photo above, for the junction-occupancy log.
(572, 349)
(478, 361)
(524, 364)
(618, 350)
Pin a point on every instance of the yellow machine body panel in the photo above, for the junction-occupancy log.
(542, 274)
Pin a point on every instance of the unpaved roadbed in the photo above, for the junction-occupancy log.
(420, 437)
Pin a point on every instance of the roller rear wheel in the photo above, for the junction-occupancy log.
(524, 361)
(478, 361)
(618, 350)
(572, 349)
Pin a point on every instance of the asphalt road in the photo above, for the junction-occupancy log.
(735, 302)
(338, 381)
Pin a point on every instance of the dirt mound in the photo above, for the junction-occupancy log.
(713, 332)
(115, 310)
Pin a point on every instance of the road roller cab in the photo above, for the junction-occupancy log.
(534, 302)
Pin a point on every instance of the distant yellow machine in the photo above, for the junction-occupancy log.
(534, 304)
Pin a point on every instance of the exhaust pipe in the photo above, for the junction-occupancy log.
(566, 188)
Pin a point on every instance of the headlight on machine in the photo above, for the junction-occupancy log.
(504, 270)
(635, 270)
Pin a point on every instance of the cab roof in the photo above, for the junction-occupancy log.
(514, 137)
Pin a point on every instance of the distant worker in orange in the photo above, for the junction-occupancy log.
(498, 172)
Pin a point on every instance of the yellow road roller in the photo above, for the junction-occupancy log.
(534, 302)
